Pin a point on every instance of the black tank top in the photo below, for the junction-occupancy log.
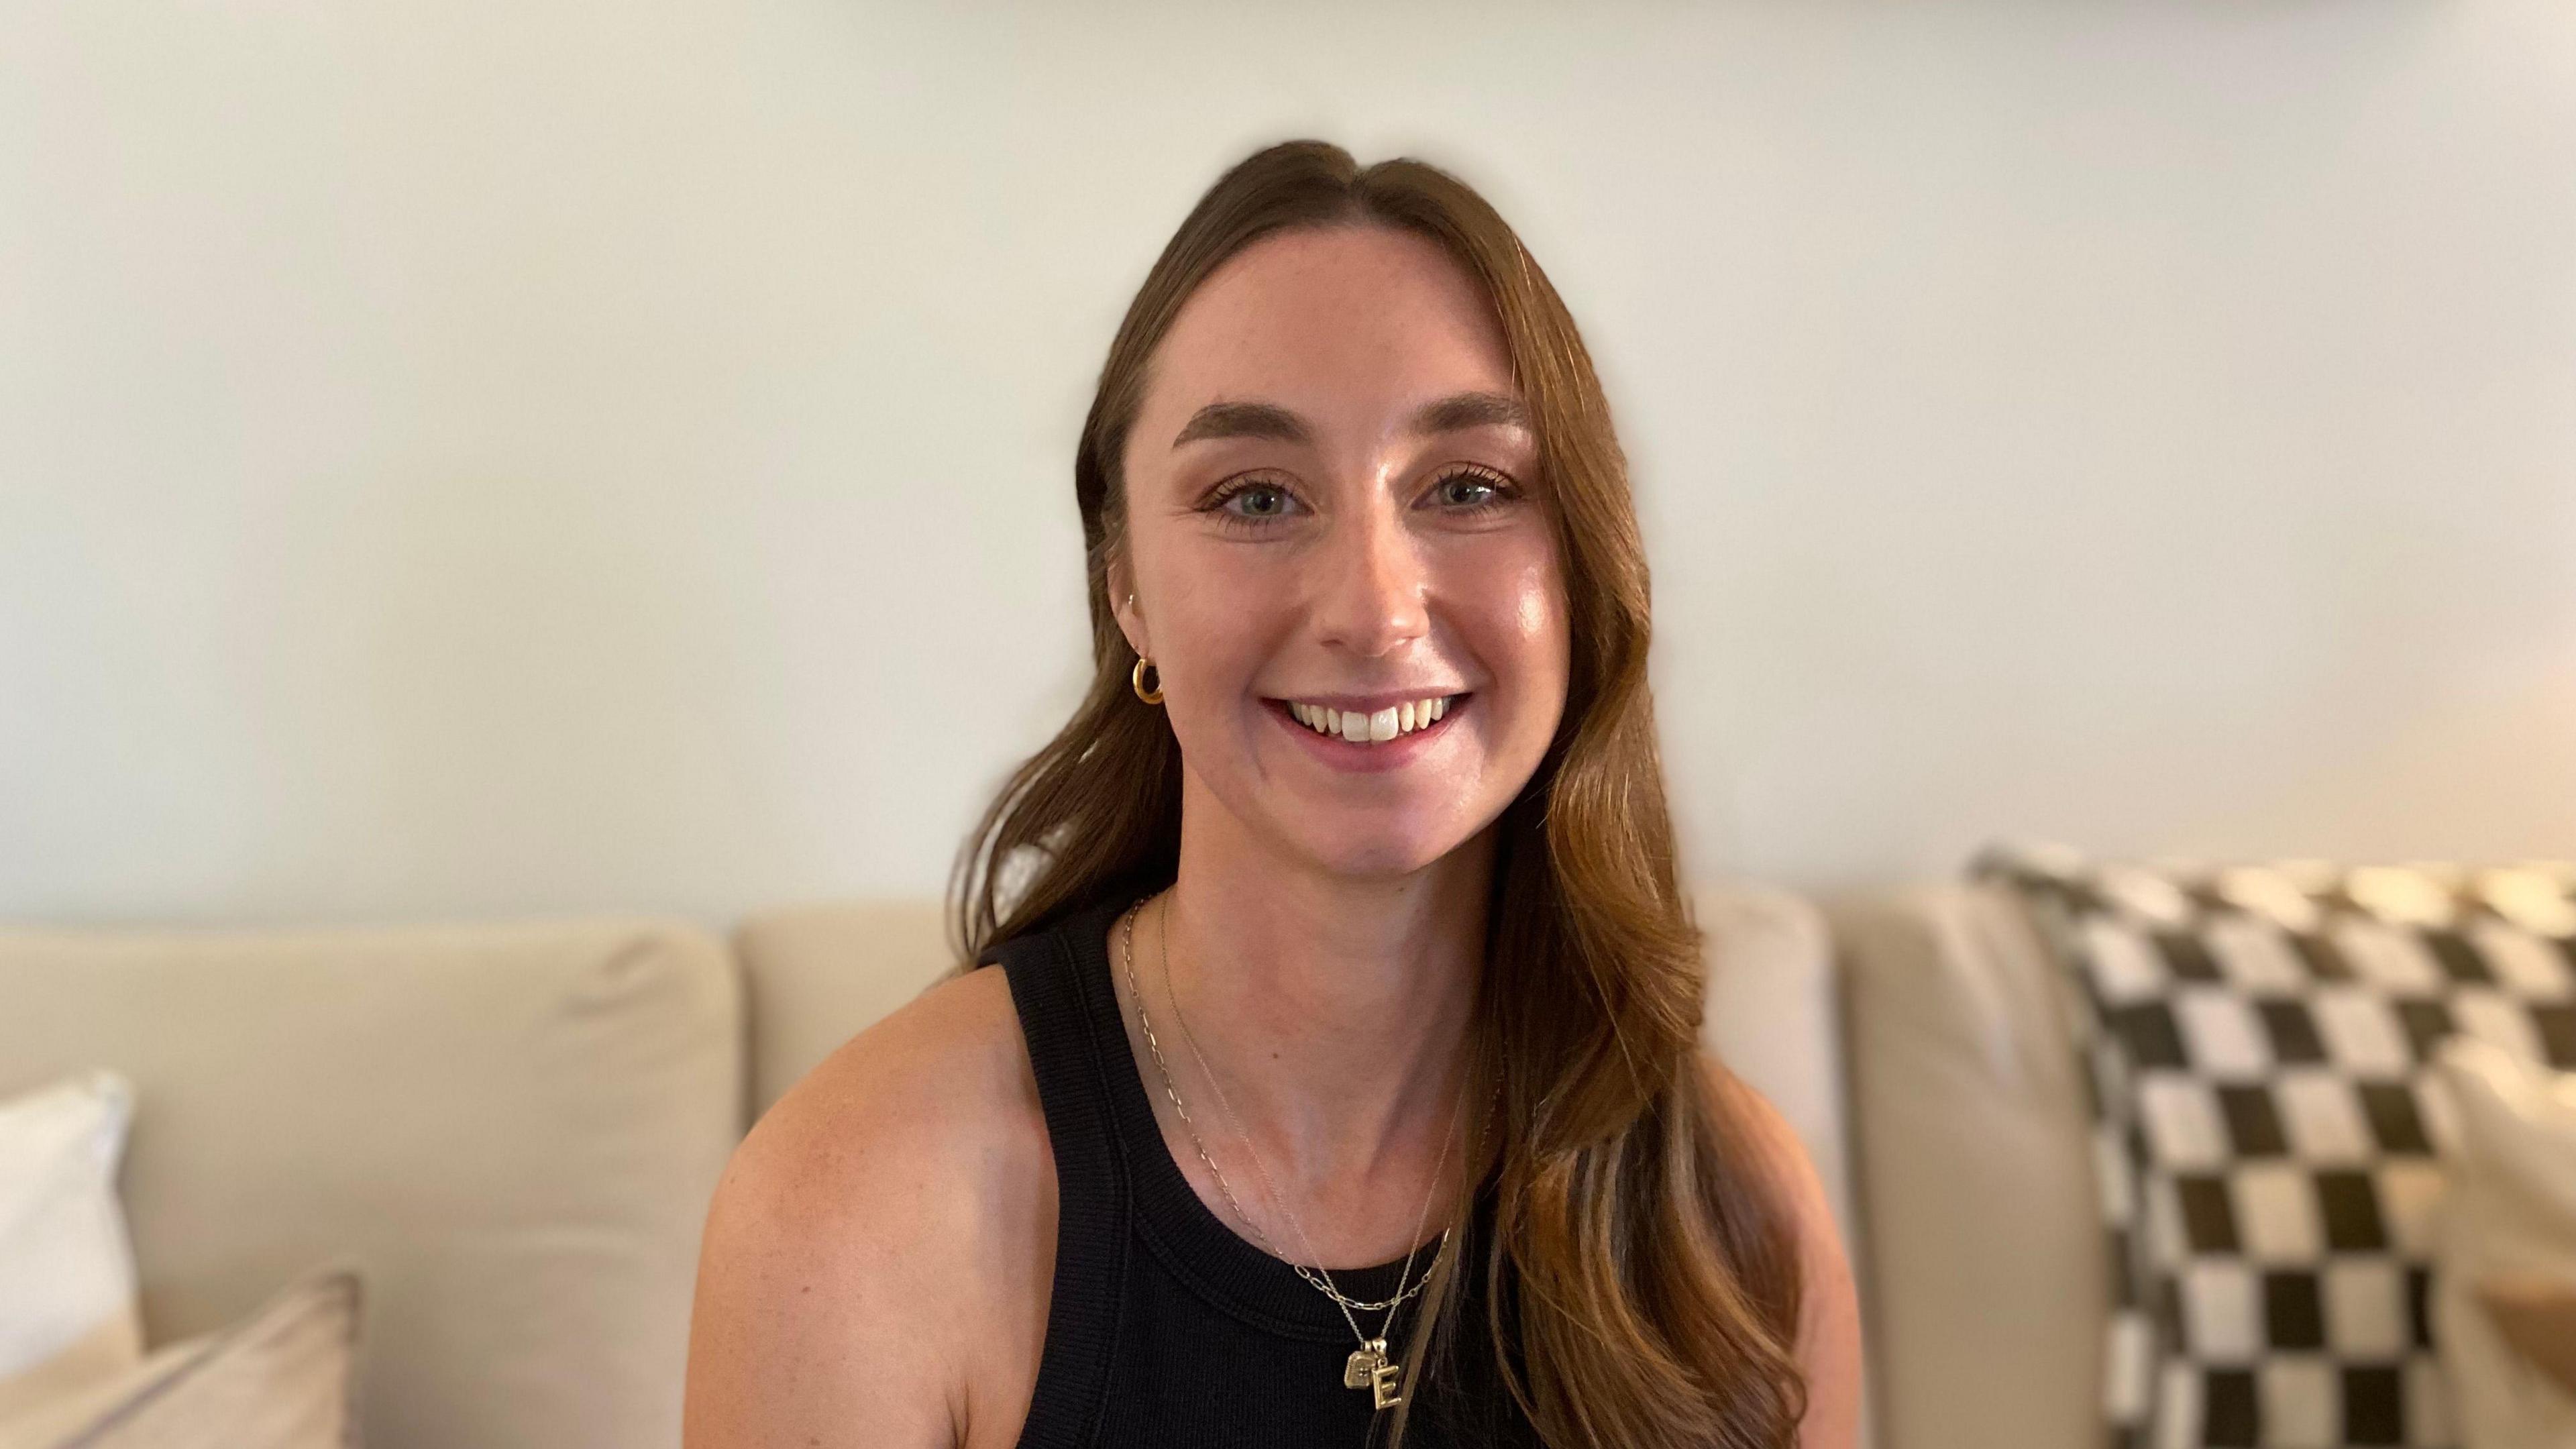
(1167, 1329)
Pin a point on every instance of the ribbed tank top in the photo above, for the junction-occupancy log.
(1167, 1329)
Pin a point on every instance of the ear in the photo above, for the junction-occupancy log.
(1122, 604)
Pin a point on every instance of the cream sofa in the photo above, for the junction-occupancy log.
(512, 1130)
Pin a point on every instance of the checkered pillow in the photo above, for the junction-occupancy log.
(2258, 1044)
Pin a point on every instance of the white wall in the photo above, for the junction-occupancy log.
(480, 456)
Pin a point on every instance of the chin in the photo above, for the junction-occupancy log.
(1382, 848)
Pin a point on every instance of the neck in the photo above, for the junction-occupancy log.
(1334, 1009)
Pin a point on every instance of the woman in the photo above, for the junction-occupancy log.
(1339, 1083)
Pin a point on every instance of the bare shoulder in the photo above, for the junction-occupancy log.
(877, 1253)
(1829, 1347)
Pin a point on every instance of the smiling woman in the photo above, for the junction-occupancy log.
(1368, 756)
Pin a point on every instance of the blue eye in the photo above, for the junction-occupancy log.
(1257, 500)
(1470, 489)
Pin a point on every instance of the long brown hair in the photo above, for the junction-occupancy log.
(1642, 1284)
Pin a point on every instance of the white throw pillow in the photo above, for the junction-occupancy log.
(67, 1298)
(2510, 1217)
(282, 1378)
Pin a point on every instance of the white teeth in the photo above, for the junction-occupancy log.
(1372, 728)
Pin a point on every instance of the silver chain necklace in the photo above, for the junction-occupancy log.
(1369, 1366)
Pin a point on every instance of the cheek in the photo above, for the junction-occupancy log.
(1533, 623)
(1216, 620)
(1540, 618)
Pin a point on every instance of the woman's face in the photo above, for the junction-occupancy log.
(1343, 564)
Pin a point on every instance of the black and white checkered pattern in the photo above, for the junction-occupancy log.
(2257, 1041)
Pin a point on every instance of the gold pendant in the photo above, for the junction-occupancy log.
(1385, 1385)
(1359, 1369)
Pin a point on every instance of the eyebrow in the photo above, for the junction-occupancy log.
(1269, 420)
(1471, 410)
(1243, 420)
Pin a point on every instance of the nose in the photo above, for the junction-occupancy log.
(1373, 586)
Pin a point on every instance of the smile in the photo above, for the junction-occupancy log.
(1367, 727)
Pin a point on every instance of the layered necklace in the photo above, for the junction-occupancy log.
(1369, 1366)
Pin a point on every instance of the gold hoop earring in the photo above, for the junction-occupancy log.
(1136, 681)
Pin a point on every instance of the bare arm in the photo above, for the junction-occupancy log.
(857, 1283)
(805, 1330)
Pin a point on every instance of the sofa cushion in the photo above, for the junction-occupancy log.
(68, 1314)
(2505, 1301)
(284, 1378)
(1983, 1276)
(2258, 1044)
(510, 1131)
(818, 975)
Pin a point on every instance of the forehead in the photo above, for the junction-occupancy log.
(1345, 323)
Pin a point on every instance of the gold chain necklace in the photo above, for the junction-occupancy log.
(1368, 1367)
(1270, 1187)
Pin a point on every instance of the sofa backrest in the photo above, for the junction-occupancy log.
(1988, 1297)
(511, 1131)
(815, 976)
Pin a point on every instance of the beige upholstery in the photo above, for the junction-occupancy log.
(1987, 1289)
(282, 1379)
(512, 1132)
(819, 975)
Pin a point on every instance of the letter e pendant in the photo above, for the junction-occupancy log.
(1385, 1384)
(1362, 1364)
